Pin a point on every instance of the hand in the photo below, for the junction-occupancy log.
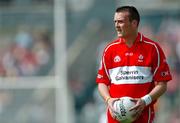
(138, 108)
(110, 103)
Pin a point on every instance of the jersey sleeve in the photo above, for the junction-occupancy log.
(102, 76)
(160, 67)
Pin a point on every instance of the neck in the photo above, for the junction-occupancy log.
(131, 39)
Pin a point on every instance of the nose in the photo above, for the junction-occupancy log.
(116, 24)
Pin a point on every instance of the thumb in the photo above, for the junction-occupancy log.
(134, 100)
(111, 102)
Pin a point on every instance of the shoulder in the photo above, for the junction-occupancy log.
(150, 43)
(152, 46)
(112, 45)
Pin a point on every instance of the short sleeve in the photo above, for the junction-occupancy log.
(102, 76)
(161, 69)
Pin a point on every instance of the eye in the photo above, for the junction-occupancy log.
(119, 21)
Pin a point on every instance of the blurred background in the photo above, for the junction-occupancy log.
(50, 52)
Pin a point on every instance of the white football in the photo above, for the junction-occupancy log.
(121, 108)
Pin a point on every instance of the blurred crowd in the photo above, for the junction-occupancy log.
(26, 50)
(29, 53)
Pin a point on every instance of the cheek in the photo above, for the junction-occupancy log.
(127, 27)
(122, 26)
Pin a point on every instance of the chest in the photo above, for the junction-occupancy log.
(135, 56)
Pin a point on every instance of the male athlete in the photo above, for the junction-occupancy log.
(133, 66)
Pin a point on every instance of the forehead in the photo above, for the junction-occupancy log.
(121, 15)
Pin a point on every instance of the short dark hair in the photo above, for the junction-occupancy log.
(133, 12)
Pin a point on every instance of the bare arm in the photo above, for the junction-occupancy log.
(158, 90)
(104, 91)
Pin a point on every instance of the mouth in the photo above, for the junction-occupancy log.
(118, 30)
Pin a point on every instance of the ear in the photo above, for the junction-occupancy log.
(134, 23)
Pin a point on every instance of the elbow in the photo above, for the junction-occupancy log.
(101, 85)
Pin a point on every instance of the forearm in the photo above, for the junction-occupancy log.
(158, 90)
(104, 91)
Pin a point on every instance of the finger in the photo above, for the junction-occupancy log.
(112, 114)
(134, 107)
(135, 115)
(134, 99)
(112, 102)
(138, 115)
(115, 99)
(111, 106)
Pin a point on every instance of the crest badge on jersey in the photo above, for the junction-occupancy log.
(140, 58)
(164, 73)
(99, 76)
(117, 59)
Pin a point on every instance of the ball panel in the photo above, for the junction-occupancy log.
(122, 107)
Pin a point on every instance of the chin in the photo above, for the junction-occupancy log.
(120, 36)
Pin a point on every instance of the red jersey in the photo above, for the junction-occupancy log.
(133, 71)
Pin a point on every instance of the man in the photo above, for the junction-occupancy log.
(133, 66)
